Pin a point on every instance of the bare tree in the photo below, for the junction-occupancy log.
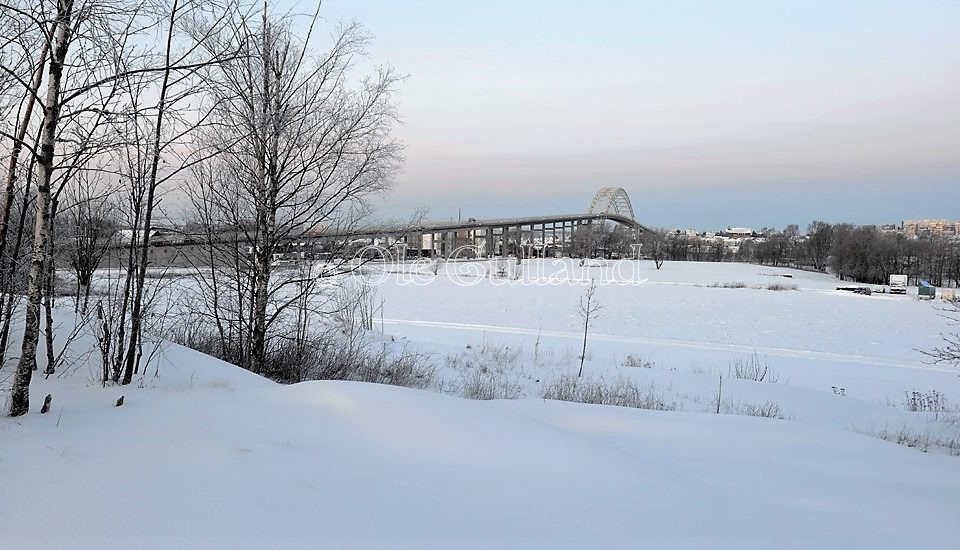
(177, 86)
(63, 22)
(654, 241)
(949, 351)
(14, 275)
(85, 29)
(89, 230)
(819, 240)
(93, 46)
(299, 145)
(589, 310)
(28, 102)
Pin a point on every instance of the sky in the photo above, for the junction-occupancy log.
(709, 113)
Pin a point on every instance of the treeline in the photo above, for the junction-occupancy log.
(862, 253)
(851, 252)
(858, 253)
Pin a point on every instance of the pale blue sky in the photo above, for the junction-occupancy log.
(708, 113)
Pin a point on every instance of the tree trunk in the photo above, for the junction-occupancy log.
(49, 270)
(583, 352)
(263, 245)
(20, 391)
(124, 304)
(85, 304)
(17, 148)
(11, 268)
(136, 313)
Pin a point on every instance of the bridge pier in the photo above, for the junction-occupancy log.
(520, 241)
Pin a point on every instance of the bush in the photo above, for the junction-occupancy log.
(355, 302)
(194, 334)
(635, 362)
(923, 441)
(410, 370)
(767, 409)
(753, 368)
(729, 285)
(779, 286)
(621, 393)
(487, 372)
(329, 355)
(485, 384)
(931, 401)
(506, 268)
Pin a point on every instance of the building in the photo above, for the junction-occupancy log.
(927, 228)
(889, 228)
(738, 232)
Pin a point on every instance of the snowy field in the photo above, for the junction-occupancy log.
(839, 359)
(208, 455)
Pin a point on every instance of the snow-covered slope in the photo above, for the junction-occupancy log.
(208, 455)
(326, 464)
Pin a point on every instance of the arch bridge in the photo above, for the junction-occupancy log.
(531, 235)
(528, 236)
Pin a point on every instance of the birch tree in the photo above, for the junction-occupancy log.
(301, 141)
(94, 46)
(62, 29)
(174, 123)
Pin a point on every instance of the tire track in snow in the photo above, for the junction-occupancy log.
(690, 344)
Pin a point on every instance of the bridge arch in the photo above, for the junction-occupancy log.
(612, 200)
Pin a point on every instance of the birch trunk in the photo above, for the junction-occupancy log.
(263, 249)
(18, 148)
(12, 299)
(132, 361)
(20, 391)
(48, 280)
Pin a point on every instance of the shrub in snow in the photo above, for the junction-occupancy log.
(621, 393)
(779, 286)
(485, 384)
(355, 303)
(729, 285)
(632, 361)
(506, 268)
(923, 441)
(334, 353)
(931, 401)
(753, 368)
(487, 372)
(767, 409)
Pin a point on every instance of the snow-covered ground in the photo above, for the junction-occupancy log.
(839, 359)
(208, 455)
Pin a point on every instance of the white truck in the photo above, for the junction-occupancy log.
(898, 284)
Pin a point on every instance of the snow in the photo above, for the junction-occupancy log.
(207, 455)
(816, 336)
(358, 465)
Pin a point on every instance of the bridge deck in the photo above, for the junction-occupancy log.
(437, 227)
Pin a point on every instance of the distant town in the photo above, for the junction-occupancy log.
(733, 237)
(924, 228)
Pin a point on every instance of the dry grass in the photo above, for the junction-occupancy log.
(620, 393)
